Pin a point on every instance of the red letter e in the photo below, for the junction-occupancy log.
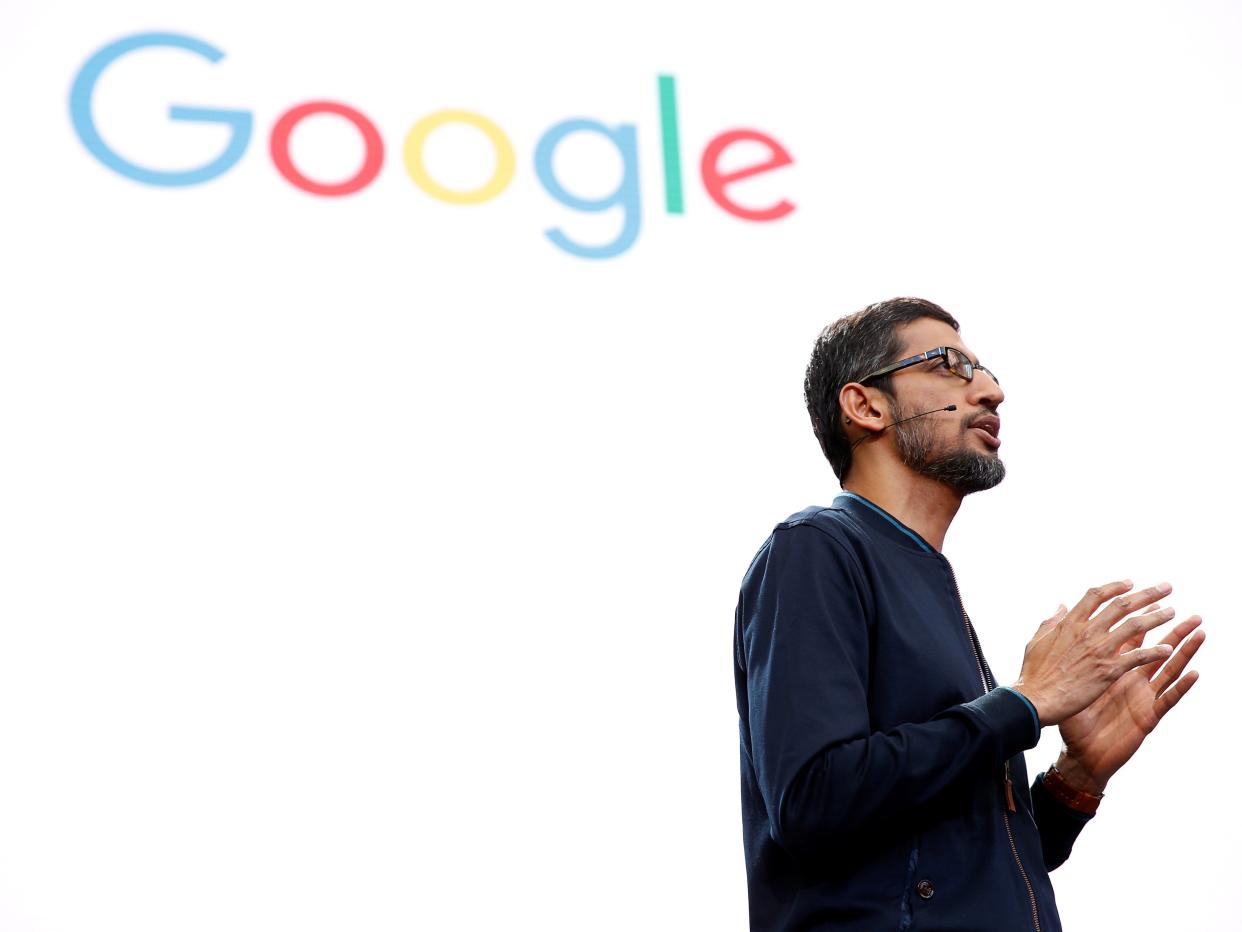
(714, 181)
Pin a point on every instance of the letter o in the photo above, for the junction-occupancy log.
(371, 164)
(506, 160)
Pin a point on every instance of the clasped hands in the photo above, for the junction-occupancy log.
(1087, 671)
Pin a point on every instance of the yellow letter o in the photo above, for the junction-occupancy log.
(506, 161)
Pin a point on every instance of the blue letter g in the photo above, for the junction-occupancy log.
(84, 122)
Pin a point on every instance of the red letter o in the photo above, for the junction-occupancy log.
(370, 137)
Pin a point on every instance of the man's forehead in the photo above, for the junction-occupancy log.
(926, 333)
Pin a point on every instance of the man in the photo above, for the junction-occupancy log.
(883, 782)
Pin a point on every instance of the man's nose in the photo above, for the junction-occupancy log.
(985, 391)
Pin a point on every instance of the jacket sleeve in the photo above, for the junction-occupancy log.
(1058, 824)
(824, 775)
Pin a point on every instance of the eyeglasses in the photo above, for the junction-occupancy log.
(955, 361)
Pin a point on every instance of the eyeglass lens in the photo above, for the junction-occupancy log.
(960, 364)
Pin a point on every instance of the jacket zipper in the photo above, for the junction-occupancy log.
(985, 677)
(1011, 805)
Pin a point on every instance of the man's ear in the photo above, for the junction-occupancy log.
(863, 406)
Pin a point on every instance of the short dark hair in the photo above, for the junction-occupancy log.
(848, 349)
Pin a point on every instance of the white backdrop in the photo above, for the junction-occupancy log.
(369, 562)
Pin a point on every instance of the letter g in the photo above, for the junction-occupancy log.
(84, 121)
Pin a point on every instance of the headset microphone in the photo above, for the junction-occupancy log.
(902, 421)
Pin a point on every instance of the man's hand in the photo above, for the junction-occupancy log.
(1075, 657)
(1104, 735)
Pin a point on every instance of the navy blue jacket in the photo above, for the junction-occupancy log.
(883, 781)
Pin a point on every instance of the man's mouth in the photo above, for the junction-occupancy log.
(988, 429)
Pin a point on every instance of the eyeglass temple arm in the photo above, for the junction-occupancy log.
(902, 363)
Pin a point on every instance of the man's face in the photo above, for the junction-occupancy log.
(958, 448)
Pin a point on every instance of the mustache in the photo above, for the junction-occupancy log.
(970, 420)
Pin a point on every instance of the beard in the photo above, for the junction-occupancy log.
(962, 470)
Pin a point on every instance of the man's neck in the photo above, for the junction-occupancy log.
(924, 505)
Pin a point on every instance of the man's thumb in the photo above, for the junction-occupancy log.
(1048, 623)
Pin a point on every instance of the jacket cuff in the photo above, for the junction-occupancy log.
(1059, 825)
(1009, 716)
(1030, 705)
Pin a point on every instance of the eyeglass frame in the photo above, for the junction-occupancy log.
(927, 357)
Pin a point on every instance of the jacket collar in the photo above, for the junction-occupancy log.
(876, 518)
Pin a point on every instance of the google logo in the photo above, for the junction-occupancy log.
(716, 180)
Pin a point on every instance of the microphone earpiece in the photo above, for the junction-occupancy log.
(902, 421)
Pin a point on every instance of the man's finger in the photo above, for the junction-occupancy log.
(1126, 604)
(1145, 655)
(1137, 626)
(1137, 640)
(1173, 695)
(1095, 597)
(1177, 663)
(1173, 638)
(1056, 618)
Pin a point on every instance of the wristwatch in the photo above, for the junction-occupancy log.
(1078, 800)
